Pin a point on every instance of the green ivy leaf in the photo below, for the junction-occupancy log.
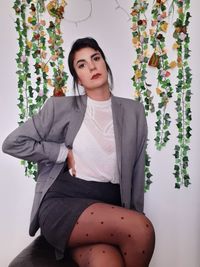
(177, 186)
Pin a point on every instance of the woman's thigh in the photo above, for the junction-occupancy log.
(105, 223)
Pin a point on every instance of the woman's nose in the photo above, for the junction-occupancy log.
(91, 66)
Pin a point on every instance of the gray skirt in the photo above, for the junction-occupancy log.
(64, 202)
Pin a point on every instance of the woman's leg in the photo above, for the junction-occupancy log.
(97, 255)
(129, 230)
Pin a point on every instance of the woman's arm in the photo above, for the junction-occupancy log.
(138, 176)
(28, 141)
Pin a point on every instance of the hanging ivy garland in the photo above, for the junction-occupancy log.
(22, 60)
(33, 51)
(164, 90)
(23, 71)
(55, 41)
(183, 90)
(159, 59)
(140, 41)
(37, 44)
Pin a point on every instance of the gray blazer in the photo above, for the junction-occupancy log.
(39, 139)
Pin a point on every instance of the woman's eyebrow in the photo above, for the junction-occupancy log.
(83, 60)
(95, 54)
(80, 60)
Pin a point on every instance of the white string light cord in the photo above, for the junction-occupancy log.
(122, 9)
(76, 22)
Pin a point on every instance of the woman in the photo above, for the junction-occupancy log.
(90, 153)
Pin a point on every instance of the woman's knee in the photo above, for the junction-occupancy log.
(105, 255)
(140, 226)
(97, 255)
(146, 232)
(147, 226)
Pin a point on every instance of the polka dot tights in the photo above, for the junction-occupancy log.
(107, 235)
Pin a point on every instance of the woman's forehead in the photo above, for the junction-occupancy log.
(85, 53)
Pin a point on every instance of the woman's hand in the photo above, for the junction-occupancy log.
(71, 162)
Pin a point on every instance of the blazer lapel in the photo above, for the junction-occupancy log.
(76, 119)
(117, 124)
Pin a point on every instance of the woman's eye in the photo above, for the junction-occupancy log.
(81, 66)
(97, 58)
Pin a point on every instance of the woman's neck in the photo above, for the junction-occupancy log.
(100, 94)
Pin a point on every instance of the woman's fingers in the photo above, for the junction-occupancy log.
(71, 162)
(73, 172)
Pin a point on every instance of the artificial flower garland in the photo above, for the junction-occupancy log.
(140, 41)
(25, 89)
(42, 53)
(183, 90)
(37, 46)
(159, 59)
(143, 93)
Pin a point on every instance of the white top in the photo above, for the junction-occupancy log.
(94, 146)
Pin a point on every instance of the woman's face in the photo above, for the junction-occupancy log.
(90, 68)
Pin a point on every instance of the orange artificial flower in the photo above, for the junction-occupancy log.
(134, 12)
(137, 94)
(179, 62)
(164, 26)
(45, 68)
(138, 74)
(151, 32)
(175, 46)
(29, 44)
(43, 54)
(49, 82)
(173, 64)
(30, 19)
(135, 40)
(42, 33)
(158, 91)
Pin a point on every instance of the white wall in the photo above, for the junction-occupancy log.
(175, 213)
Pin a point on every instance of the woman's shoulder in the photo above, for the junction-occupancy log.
(60, 104)
(63, 101)
(129, 103)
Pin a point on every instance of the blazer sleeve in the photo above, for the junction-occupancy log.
(28, 141)
(138, 176)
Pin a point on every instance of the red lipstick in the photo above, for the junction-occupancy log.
(95, 76)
